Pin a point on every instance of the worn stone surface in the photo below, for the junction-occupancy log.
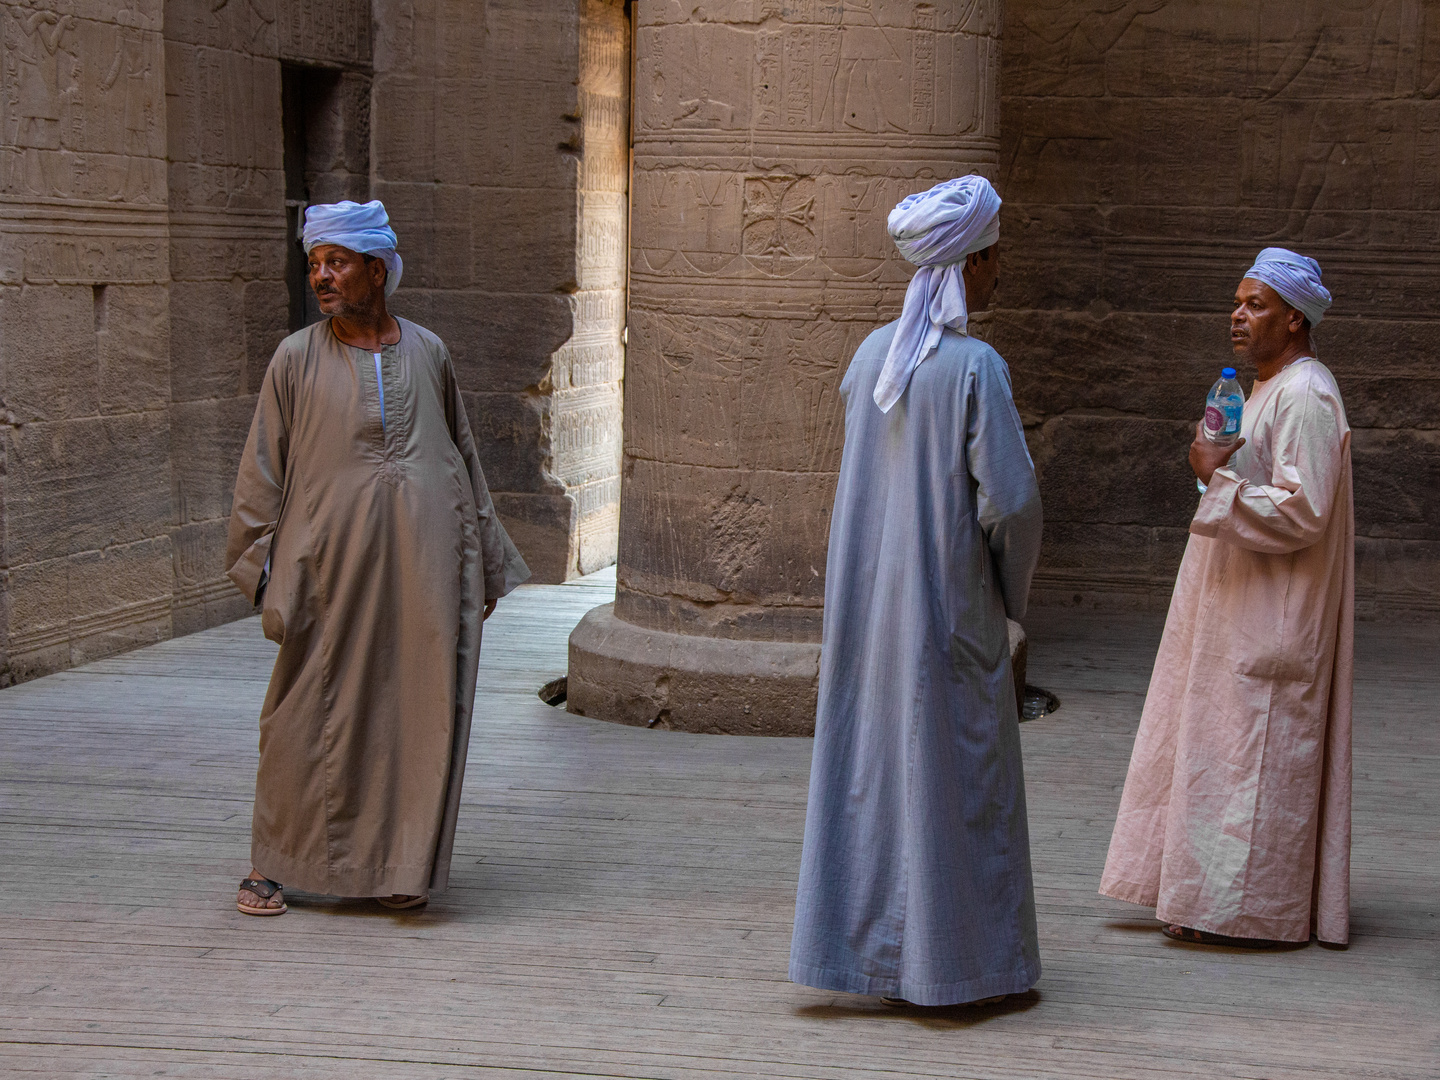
(1149, 150)
(647, 677)
(770, 141)
(501, 145)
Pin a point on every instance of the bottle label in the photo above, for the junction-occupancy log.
(1215, 420)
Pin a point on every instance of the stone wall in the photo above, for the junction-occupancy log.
(501, 138)
(154, 161)
(228, 306)
(1150, 148)
(84, 329)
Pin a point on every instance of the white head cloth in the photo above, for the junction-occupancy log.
(362, 227)
(1296, 278)
(935, 230)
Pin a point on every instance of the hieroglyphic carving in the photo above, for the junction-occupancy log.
(771, 139)
(334, 30)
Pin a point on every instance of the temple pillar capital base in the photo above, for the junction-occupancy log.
(683, 682)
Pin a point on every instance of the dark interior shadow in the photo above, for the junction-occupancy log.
(937, 1017)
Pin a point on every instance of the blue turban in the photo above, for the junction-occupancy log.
(362, 227)
(935, 230)
(1296, 278)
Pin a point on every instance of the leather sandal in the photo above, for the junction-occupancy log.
(265, 889)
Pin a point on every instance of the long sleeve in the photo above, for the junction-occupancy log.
(260, 485)
(1308, 443)
(503, 567)
(1007, 496)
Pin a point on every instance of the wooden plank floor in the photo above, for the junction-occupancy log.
(621, 899)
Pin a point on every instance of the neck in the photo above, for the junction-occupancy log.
(1299, 347)
(369, 330)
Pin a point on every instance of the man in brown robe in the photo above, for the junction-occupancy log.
(363, 527)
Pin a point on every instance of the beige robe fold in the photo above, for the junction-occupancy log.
(1235, 816)
(383, 546)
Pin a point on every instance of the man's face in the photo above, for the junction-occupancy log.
(345, 282)
(1262, 323)
(982, 275)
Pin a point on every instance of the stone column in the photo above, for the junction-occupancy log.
(771, 140)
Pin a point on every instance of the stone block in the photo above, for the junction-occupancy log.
(512, 439)
(207, 439)
(724, 552)
(78, 607)
(759, 393)
(404, 119)
(1159, 367)
(681, 682)
(526, 241)
(1116, 470)
(120, 598)
(266, 309)
(334, 32)
(543, 529)
(249, 28)
(51, 364)
(249, 254)
(585, 434)
(1397, 473)
(207, 340)
(133, 340)
(203, 596)
(1394, 576)
(85, 485)
(499, 344)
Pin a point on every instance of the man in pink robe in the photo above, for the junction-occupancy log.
(1235, 819)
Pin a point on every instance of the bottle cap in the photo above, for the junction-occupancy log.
(1227, 373)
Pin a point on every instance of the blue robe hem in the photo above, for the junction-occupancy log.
(948, 993)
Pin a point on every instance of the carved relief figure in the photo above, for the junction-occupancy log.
(1338, 49)
(1065, 52)
(872, 68)
(34, 44)
(130, 70)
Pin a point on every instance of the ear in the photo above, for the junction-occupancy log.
(1296, 322)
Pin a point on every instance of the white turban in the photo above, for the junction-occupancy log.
(362, 227)
(935, 230)
(1296, 278)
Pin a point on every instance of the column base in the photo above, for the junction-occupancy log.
(683, 682)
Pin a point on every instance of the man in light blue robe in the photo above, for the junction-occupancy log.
(915, 879)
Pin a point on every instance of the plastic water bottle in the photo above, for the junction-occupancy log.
(1224, 407)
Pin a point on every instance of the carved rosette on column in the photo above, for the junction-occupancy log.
(771, 140)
